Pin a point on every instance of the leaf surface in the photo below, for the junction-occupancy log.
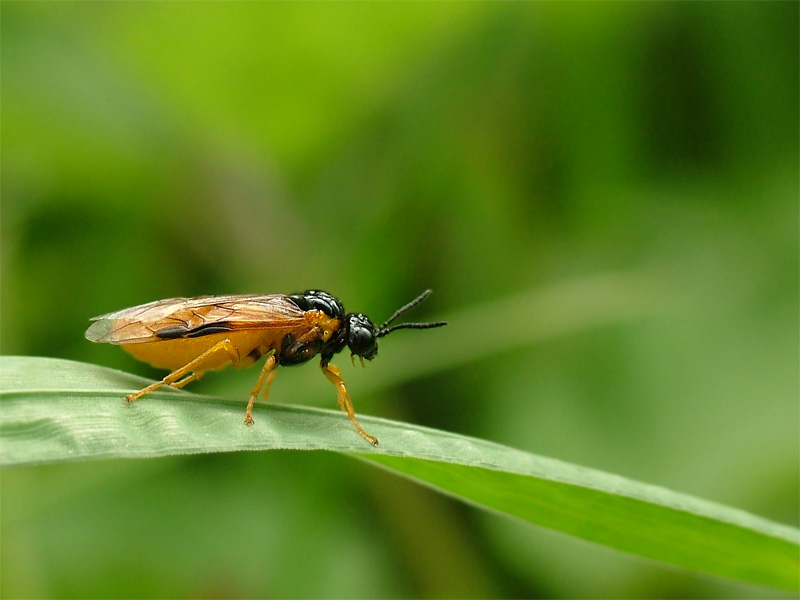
(54, 410)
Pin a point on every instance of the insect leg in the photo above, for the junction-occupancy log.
(193, 377)
(180, 377)
(268, 373)
(334, 375)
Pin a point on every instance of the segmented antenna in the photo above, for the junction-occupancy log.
(386, 330)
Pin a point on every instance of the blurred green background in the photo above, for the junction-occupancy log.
(634, 163)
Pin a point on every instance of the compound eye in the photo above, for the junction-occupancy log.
(361, 337)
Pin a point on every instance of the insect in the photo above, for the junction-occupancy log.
(190, 336)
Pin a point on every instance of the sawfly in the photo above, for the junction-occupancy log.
(190, 336)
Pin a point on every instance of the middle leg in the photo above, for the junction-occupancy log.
(268, 375)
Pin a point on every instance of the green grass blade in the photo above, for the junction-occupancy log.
(633, 517)
(54, 410)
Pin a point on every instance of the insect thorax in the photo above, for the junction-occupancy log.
(301, 345)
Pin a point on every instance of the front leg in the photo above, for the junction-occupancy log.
(334, 375)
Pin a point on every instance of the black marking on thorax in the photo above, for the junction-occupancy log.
(255, 354)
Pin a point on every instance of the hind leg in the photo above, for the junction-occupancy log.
(180, 377)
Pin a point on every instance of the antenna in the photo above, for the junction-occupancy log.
(386, 330)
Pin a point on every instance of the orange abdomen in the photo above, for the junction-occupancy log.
(174, 354)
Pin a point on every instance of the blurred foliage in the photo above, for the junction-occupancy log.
(485, 150)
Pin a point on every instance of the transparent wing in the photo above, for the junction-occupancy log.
(194, 317)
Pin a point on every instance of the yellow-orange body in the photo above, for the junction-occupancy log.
(250, 345)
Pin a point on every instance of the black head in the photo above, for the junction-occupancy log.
(362, 335)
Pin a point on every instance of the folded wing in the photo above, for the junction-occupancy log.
(194, 317)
